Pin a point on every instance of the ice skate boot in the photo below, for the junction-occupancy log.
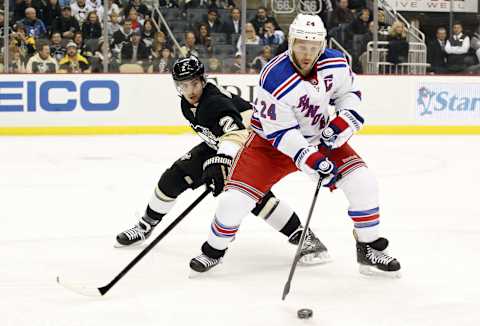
(313, 251)
(203, 263)
(373, 260)
(139, 233)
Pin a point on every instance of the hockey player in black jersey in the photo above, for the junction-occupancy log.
(221, 119)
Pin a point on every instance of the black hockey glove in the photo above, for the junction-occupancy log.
(215, 171)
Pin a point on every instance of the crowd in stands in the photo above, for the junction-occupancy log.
(47, 36)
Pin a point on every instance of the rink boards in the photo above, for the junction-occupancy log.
(62, 104)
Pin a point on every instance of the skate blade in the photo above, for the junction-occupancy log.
(375, 272)
(118, 245)
(315, 259)
(199, 275)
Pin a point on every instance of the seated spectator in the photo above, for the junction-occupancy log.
(383, 26)
(160, 41)
(164, 63)
(24, 43)
(42, 62)
(213, 23)
(81, 46)
(261, 18)
(51, 13)
(135, 51)
(66, 25)
(98, 58)
(202, 37)
(91, 28)
(214, 65)
(148, 33)
(113, 8)
(57, 50)
(341, 15)
(80, 10)
(237, 64)
(189, 47)
(136, 21)
(457, 47)
(121, 37)
(140, 8)
(260, 61)
(97, 6)
(397, 44)
(73, 62)
(250, 36)
(16, 62)
(272, 36)
(114, 24)
(475, 43)
(436, 56)
(233, 24)
(360, 24)
(34, 27)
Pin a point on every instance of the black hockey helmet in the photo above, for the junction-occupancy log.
(188, 68)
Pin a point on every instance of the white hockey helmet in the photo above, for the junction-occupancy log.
(309, 28)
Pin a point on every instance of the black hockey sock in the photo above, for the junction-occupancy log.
(292, 224)
(212, 252)
(154, 215)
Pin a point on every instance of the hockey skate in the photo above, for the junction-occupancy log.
(373, 260)
(313, 251)
(136, 235)
(202, 264)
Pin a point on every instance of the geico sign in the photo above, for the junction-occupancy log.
(58, 95)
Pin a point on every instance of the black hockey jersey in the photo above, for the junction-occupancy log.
(217, 113)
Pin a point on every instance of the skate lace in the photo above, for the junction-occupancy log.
(207, 261)
(137, 231)
(376, 256)
(310, 242)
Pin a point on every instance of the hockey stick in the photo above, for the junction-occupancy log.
(286, 288)
(104, 289)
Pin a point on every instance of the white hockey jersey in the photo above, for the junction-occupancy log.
(291, 111)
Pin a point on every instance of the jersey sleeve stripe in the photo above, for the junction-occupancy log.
(332, 66)
(269, 67)
(285, 84)
(292, 86)
(329, 61)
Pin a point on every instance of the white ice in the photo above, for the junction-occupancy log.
(63, 200)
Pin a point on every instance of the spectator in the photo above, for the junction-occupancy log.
(360, 24)
(121, 37)
(475, 44)
(80, 10)
(164, 63)
(33, 26)
(2, 20)
(397, 44)
(189, 47)
(73, 62)
(168, 4)
(42, 62)
(52, 12)
(233, 25)
(341, 15)
(457, 47)
(160, 41)
(97, 60)
(383, 26)
(213, 23)
(140, 8)
(261, 18)
(16, 62)
(66, 25)
(148, 33)
(114, 24)
(97, 7)
(57, 50)
(113, 8)
(272, 36)
(260, 61)
(136, 22)
(250, 36)
(202, 38)
(135, 51)
(81, 46)
(24, 43)
(91, 28)
(214, 65)
(437, 58)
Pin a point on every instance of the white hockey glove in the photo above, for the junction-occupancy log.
(313, 162)
(340, 129)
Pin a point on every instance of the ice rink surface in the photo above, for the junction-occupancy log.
(63, 200)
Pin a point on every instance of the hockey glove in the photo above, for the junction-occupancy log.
(340, 129)
(215, 171)
(311, 161)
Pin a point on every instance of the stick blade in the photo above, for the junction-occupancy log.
(80, 289)
(286, 290)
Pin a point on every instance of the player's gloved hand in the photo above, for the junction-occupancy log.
(341, 128)
(215, 171)
(311, 161)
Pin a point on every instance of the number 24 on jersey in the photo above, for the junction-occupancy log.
(266, 111)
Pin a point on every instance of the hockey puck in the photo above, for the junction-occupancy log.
(305, 313)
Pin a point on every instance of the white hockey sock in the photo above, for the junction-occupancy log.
(160, 203)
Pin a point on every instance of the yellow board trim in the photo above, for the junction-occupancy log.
(175, 130)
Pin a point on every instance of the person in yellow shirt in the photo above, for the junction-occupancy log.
(73, 62)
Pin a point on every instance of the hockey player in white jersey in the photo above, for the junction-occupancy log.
(294, 131)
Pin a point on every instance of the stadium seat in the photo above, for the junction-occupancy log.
(219, 38)
(130, 68)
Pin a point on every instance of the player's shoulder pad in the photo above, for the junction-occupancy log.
(278, 77)
(331, 59)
